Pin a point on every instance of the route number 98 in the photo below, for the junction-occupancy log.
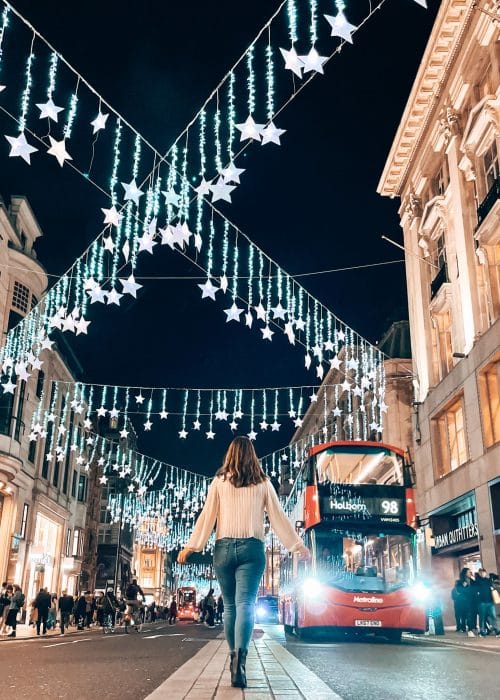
(391, 507)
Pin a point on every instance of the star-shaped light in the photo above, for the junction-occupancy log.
(250, 129)
(313, 61)
(238, 414)
(49, 110)
(132, 192)
(320, 371)
(233, 425)
(147, 242)
(264, 425)
(335, 362)
(337, 412)
(196, 424)
(422, 3)
(248, 319)
(300, 324)
(224, 282)
(124, 434)
(99, 122)
(292, 61)
(252, 435)
(260, 311)
(278, 311)
(313, 397)
(2, 88)
(231, 173)
(271, 134)
(111, 216)
(81, 326)
(130, 286)
(298, 422)
(345, 385)
(139, 399)
(97, 295)
(329, 346)
(289, 333)
(148, 425)
(340, 26)
(8, 387)
(233, 313)
(103, 479)
(101, 411)
(113, 297)
(114, 413)
(275, 426)
(267, 333)
(20, 148)
(108, 244)
(221, 190)
(203, 188)
(208, 290)
(210, 435)
(163, 414)
(171, 197)
(183, 434)
(69, 324)
(341, 335)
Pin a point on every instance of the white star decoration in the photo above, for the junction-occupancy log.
(111, 216)
(203, 188)
(250, 129)
(292, 61)
(58, 150)
(208, 290)
(99, 122)
(19, 147)
(130, 286)
(233, 313)
(340, 26)
(271, 134)
(132, 192)
(49, 110)
(221, 190)
(313, 61)
(171, 197)
(231, 173)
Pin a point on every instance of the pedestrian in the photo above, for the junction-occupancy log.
(220, 609)
(487, 613)
(4, 604)
(65, 605)
(236, 501)
(80, 612)
(15, 605)
(42, 604)
(52, 617)
(464, 600)
(172, 619)
(89, 608)
(210, 609)
(201, 609)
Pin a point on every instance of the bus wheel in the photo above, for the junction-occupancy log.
(393, 635)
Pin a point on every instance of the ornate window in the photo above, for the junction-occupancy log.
(20, 297)
(489, 396)
(450, 438)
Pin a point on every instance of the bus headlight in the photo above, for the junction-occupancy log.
(261, 611)
(420, 593)
(312, 588)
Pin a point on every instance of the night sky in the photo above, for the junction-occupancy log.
(310, 204)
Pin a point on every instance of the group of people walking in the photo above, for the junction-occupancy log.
(473, 597)
(11, 604)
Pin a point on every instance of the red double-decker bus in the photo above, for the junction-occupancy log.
(355, 505)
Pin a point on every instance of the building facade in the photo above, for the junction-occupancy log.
(42, 496)
(444, 167)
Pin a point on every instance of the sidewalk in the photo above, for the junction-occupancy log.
(460, 639)
(272, 674)
(26, 632)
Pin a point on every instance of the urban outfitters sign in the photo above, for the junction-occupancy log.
(460, 534)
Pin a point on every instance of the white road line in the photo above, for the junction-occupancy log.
(60, 644)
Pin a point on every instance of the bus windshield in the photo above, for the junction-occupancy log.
(363, 561)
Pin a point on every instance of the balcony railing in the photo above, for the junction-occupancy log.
(439, 280)
(487, 204)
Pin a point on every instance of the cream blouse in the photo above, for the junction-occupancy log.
(239, 512)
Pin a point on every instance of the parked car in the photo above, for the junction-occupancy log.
(266, 609)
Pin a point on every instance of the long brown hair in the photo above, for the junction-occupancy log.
(241, 465)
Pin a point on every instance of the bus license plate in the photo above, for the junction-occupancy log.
(367, 623)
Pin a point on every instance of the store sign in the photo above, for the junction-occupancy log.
(42, 559)
(459, 534)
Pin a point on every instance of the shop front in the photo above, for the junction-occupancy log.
(43, 560)
(455, 545)
(495, 516)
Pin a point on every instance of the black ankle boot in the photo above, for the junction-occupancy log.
(239, 679)
(232, 664)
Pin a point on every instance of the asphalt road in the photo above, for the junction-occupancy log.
(412, 670)
(89, 665)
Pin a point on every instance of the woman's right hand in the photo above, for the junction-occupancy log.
(304, 553)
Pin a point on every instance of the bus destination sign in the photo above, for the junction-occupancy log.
(367, 502)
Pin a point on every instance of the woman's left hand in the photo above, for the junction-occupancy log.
(183, 556)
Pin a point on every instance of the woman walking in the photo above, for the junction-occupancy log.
(236, 500)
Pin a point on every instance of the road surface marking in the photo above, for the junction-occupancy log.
(60, 644)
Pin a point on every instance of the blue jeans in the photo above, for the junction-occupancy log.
(239, 564)
(487, 613)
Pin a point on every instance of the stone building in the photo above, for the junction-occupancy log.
(444, 168)
(42, 499)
